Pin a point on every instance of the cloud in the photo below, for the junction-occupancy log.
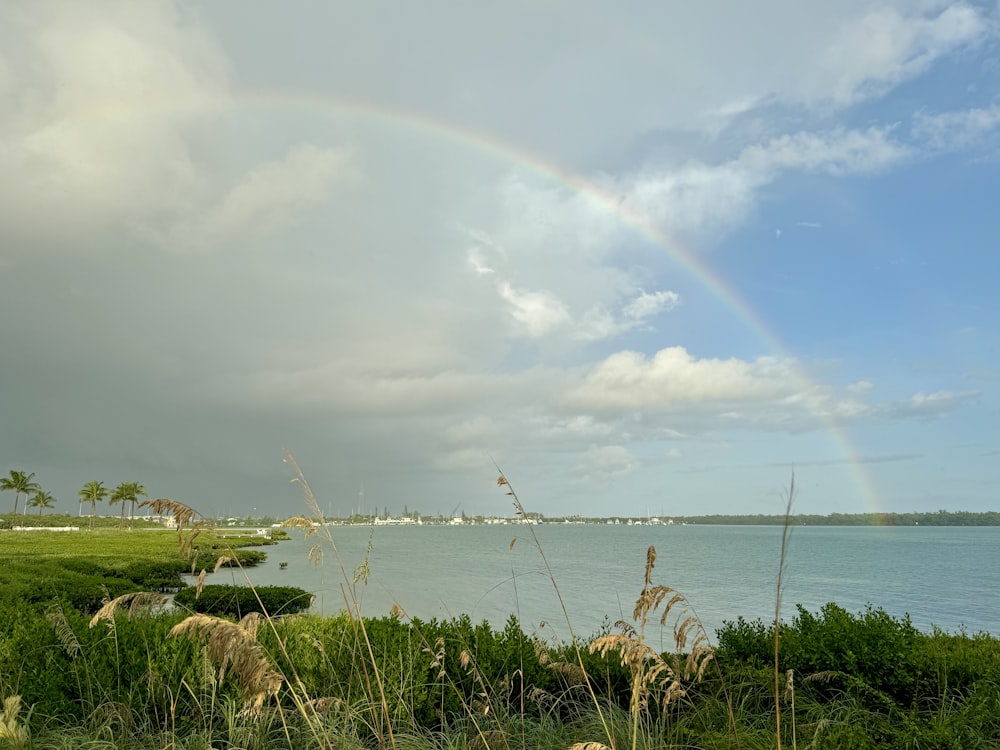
(416, 264)
(839, 152)
(672, 379)
(464, 460)
(93, 128)
(879, 50)
(948, 131)
(860, 387)
(104, 127)
(348, 389)
(704, 202)
(598, 324)
(929, 405)
(271, 196)
(606, 462)
(648, 305)
(596, 302)
(536, 312)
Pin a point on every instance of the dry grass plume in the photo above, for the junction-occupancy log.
(12, 734)
(132, 604)
(650, 672)
(234, 648)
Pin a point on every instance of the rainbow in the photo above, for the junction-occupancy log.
(426, 125)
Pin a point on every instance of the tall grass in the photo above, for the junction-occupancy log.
(779, 592)
(137, 677)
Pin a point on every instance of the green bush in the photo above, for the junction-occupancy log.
(745, 641)
(872, 647)
(237, 601)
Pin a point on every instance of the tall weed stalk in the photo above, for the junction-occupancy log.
(786, 528)
(377, 692)
(502, 481)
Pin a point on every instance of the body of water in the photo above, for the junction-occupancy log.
(943, 576)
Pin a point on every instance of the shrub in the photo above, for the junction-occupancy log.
(237, 601)
(871, 646)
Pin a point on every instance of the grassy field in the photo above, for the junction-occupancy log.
(83, 567)
(86, 661)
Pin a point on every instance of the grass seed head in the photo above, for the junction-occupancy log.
(234, 649)
(133, 604)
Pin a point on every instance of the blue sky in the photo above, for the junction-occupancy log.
(405, 244)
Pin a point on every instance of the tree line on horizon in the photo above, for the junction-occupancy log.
(925, 518)
(93, 492)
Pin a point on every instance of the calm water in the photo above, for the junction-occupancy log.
(948, 577)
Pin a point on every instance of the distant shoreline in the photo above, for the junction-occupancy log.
(936, 518)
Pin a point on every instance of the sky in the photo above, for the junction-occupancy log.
(647, 258)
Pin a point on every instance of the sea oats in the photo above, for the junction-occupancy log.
(137, 602)
(234, 649)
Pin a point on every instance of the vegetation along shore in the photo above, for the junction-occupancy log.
(105, 645)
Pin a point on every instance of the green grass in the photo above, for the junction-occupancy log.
(861, 680)
(84, 567)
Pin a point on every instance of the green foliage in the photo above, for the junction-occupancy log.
(882, 660)
(84, 568)
(236, 601)
(19, 483)
(41, 499)
(745, 641)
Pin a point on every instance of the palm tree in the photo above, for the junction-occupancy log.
(126, 492)
(41, 500)
(19, 482)
(119, 495)
(136, 491)
(93, 493)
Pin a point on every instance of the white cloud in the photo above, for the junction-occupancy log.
(884, 47)
(606, 462)
(537, 312)
(840, 152)
(647, 305)
(861, 386)
(694, 200)
(478, 264)
(672, 379)
(948, 131)
(599, 324)
(929, 404)
(704, 202)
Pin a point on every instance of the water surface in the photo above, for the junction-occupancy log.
(942, 576)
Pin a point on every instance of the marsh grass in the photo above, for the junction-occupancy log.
(144, 678)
